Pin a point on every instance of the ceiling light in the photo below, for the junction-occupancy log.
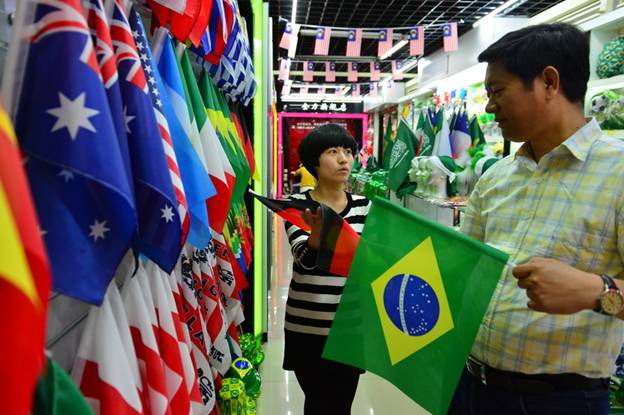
(394, 48)
(494, 12)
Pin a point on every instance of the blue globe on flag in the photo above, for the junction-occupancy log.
(411, 304)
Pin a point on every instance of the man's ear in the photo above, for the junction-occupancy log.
(551, 81)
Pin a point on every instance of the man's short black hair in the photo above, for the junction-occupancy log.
(320, 139)
(526, 52)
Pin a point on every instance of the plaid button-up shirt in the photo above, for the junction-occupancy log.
(567, 207)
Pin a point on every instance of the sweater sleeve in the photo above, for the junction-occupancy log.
(303, 255)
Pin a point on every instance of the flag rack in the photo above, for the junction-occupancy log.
(365, 35)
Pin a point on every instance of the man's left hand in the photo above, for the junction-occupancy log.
(557, 288)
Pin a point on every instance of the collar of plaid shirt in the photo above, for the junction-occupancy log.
(566, 207)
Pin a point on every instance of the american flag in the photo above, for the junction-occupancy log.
(284, 69)
(323, 35)
(450, 37)
(174, 171)
(417, 41)
(330, 71)
(294, 39)
(354, 42)
(384, 42)
(375, 71)
(352, 72)
(355, 90)
(396, 67)
(308, 71)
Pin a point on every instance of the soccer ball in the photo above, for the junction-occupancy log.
(599, 104)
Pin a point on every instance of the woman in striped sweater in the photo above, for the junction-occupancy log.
(329, 387)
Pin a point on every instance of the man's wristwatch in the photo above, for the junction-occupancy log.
(611, 301)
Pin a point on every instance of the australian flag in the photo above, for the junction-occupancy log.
(74, 162)
(160, 229)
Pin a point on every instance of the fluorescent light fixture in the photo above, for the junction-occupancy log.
(393, 49)
(294, 12)
(494, 12)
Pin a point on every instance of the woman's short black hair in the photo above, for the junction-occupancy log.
(526, 52)
(320, 139)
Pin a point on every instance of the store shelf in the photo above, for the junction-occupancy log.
(616, 82)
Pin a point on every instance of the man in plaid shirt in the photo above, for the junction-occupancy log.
(553, 329)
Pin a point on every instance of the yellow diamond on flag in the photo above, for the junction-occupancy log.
(411, 302)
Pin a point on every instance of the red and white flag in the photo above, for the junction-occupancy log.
(323, 36)
(417, 41)
(451, 43)
(354, 43)
(101, 369)
(384, 41)
(397, 75)
(308, 71)
(303, 90)
(375, 71)
(212, 308)
(321, 91)
(289, 36)
(292, 49)
(373, 90)
(170, 347)
(228, 279)
(199, 340)
(352, 72)
(330, 71)
(142, 331)
(284, 71)
(355, 90)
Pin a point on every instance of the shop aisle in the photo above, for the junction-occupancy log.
(281, 394)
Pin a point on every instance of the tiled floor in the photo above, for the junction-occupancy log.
(281, 394)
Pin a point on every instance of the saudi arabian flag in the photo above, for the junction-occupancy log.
(424, 134)
(387, 146)
(413, 302)
(401, 155)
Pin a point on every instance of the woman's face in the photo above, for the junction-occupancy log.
(335, 164)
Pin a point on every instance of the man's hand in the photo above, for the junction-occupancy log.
(557, 288)
(315, 222)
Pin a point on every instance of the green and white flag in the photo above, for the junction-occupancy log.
(403, 151)
(424, 134)
(442, 146)
(413, 302)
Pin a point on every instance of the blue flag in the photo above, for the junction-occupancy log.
(160, 229)
(197, 183)
(75, 166)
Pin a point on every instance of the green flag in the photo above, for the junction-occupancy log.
(476, 134)
(401, 156)
(387, 147)
(56, 394)
(424, 133)
(442, 145)
(413, 302)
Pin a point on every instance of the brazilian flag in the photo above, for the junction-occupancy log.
(413, 302)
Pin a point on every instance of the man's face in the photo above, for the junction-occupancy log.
(519, 110)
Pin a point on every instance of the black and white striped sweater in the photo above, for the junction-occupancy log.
(314, 294)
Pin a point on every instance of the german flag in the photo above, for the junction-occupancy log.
(288, 209)
(338, 243)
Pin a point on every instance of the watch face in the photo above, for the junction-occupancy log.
(612, 302)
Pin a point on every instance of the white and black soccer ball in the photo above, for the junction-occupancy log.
(599, 104)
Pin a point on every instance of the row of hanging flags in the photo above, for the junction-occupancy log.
(339, 90)
(217, 33)
(353, 70)
(416, 37)
(126, 155)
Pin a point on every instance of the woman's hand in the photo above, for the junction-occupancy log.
(315, 222)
